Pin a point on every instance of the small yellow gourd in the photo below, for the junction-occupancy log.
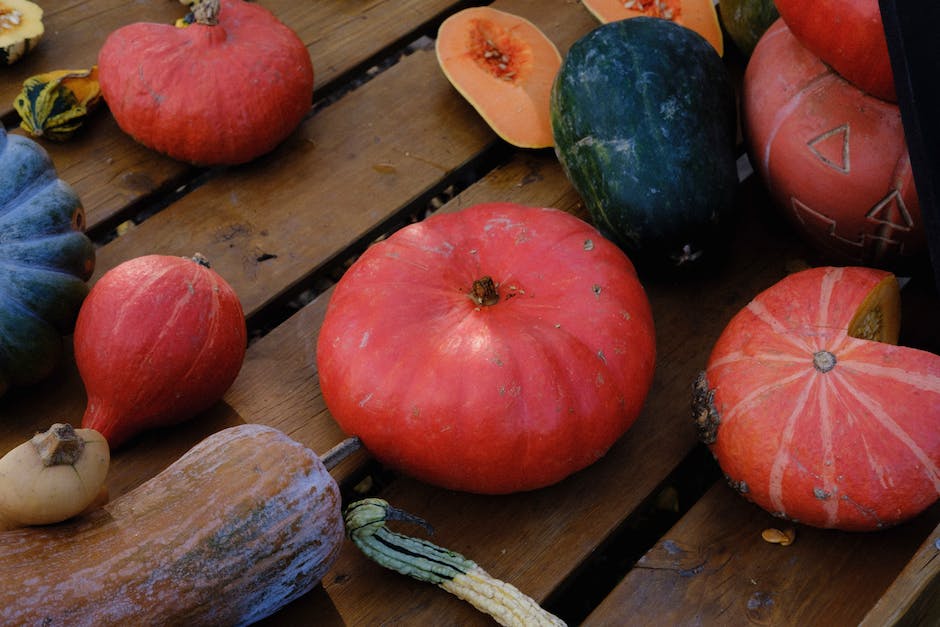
(53, 476)
(21, 28)
(55, 104)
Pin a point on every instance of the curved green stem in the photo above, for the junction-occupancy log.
(425, 561)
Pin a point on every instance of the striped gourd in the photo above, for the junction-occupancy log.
(55, 104)
(425, 561)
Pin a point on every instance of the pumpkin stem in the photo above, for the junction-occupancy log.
(824, 361)
(484, 292)
(365, 525)
(205, 12)
(58, 446)
(200, 259)
(332, 458)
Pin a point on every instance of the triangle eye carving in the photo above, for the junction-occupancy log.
(832, 148)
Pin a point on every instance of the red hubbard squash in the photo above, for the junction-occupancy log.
(504, 66)
(158, 340)
(811, 410)
(492, 350)
(847, 35)
(223, 90)
(834, 158)
(697, 15)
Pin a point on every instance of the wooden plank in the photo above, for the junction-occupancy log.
(341, 34)
(914, 597)
(74, 32)
(107, 168)
(713, 567)
(267, 226)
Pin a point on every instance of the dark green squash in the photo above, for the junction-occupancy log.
(644, 122)
(45, 261)
(746, 20)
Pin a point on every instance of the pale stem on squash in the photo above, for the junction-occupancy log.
(425, 561)
(60, 445)
(206, 12)
(332, 458)
(824, 361)
(200, 259)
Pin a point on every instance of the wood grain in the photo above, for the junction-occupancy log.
(715, 568)
(107, 168)
(914, 597)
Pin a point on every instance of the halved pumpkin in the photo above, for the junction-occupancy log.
(21, 28)
(698, 15)
(814, 413)
(504, 66)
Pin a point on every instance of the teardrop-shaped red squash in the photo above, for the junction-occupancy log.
(158, 340)
(504, 65)
(812, 412)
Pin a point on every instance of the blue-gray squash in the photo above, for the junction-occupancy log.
(45, 261)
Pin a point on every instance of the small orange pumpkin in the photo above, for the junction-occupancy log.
(811, 410)
(223, 90)
(504, 66)
(847, 35)
(698, 15)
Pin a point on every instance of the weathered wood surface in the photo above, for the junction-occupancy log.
(368, 161)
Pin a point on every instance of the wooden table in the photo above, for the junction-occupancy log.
(650, 533)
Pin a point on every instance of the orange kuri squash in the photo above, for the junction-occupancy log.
(504, 65)
(814, 413)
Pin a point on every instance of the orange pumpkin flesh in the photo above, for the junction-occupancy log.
(698, 15)
(811, 419)
(504, 66)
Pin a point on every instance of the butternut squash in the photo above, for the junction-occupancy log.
(504, 66)
(237, 527)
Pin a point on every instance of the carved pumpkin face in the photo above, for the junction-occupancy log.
(833, 158)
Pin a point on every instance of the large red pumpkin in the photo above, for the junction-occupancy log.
(847, 35)
(492, 350)
(158, 340)
(814, 414)
(834, 158)
(208, 93)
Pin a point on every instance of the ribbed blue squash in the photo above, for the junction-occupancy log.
(644, 121)
(45, 259)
